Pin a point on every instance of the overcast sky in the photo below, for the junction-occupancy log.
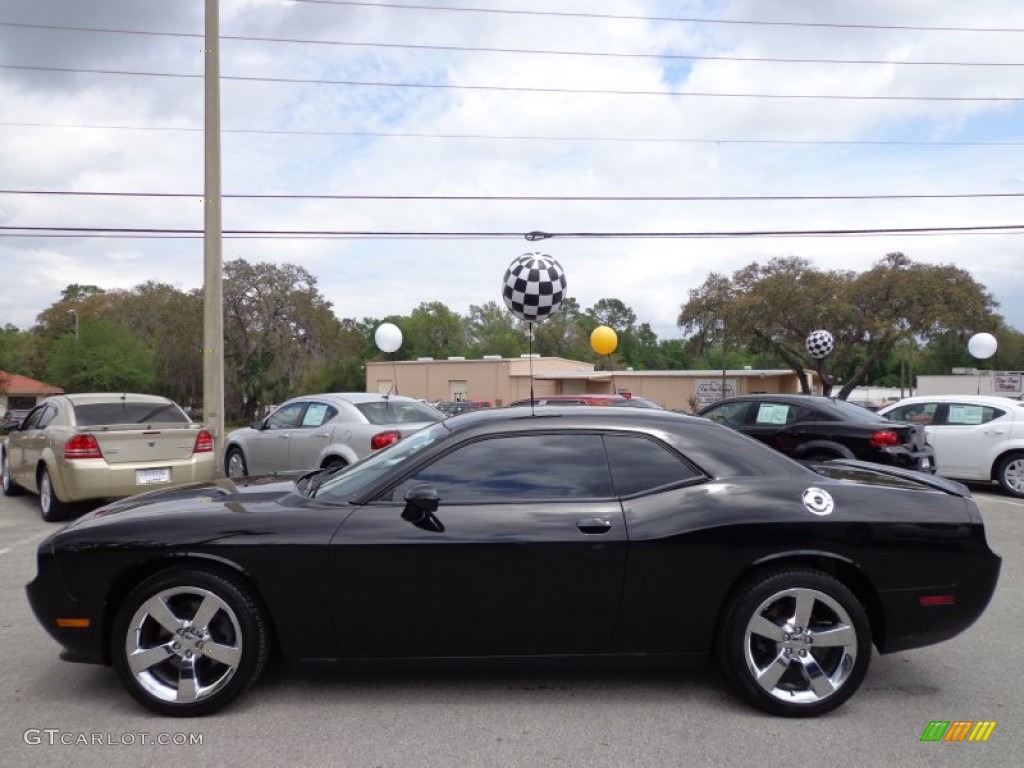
(101, 132)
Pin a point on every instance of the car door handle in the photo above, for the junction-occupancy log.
(283, 437)
(594, 525)
(321, 434)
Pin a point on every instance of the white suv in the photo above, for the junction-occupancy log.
(976, 437)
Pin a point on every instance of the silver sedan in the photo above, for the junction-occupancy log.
(326, 430)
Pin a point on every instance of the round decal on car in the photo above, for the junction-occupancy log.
(818, 502)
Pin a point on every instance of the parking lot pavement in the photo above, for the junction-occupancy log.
(650, 718)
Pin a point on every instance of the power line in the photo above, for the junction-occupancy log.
(530, 236)
(523, 89)
(522, 198)
(527, 51)
(686, 19)
(497, 137)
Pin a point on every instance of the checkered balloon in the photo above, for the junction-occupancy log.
(533, 287)
(820, 344)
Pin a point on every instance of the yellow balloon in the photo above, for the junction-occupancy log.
(604, 340)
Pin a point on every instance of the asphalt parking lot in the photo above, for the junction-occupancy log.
(56, 713)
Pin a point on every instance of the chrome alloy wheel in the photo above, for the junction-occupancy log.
(183, 645)
(800, 646)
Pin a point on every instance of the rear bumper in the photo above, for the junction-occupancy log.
(83, 479)
(909, 624)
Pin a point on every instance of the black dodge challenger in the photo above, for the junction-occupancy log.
(598, 535)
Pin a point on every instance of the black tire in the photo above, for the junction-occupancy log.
(9, 487)
(234, 631)
(52, 509)
(333, 462)
(1010, 474)
(774, 662)
(234, 463)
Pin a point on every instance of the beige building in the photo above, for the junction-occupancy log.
(500, 381)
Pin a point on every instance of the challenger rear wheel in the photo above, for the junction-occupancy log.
(188, 641)
(795, 642)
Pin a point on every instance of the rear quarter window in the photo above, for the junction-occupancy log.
(641, 465)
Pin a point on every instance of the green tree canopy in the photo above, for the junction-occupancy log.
(103, 358)
(773, 307)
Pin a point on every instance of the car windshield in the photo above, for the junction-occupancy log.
(343, 485)
(398, 412)
(127, 412)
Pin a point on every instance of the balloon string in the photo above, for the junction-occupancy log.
(533, 402)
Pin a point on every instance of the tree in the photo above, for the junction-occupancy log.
(278, 332)
(103, 358)
(493, 330)
(433, 330)
(772, 308)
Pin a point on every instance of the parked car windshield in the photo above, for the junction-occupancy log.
(398, 412)
(127, 412)
(346, 483)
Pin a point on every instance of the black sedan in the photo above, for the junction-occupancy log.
(601, 535)
(814, 428)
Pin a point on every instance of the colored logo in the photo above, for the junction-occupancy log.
(958, 730)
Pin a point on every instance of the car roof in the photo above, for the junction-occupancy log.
(998, 400)
(357, 397)
(84, 398)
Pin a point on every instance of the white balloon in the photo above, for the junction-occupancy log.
(388, 337)
(982, 345)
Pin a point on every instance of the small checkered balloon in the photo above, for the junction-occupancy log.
(533, 287)
(820, 344)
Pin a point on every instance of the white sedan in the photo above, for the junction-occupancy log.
(976, 437)
(325, 430)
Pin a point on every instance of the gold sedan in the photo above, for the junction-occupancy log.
(103, 445)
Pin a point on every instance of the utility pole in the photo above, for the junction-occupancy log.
(213, 291)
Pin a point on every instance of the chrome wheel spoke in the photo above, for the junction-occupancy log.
(769, 677)
(144, 658)
(818, 681)
(207, 610)
(805, 601)
(157, 609)
(228, 655)
(188, 684)
(839, 636)
(765, 628)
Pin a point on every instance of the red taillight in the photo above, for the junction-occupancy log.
(204, 442)
(884, 439)
(937, 600)
(382, 439)
(82, 447)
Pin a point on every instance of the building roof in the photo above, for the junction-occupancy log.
(16, 384)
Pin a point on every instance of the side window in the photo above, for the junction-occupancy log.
(915, 413)
(286, 417)
(730, 414)
(518, 468)
(639, 464)
(779, 414)
(46, 417)
(318, 413)
(962, 414)
(33, 419)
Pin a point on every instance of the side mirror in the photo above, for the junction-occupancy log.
(256, 425)
(420, 505)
